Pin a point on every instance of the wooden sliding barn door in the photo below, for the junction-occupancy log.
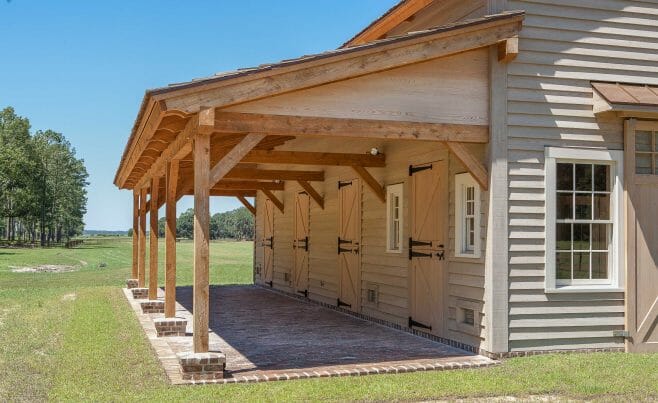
(349, 243)
(641, 185)
(268, 243)
(427, 244)
(300, 243)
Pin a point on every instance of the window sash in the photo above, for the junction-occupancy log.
(467, 216)
(394, 218)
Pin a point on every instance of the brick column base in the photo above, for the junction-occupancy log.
(152, 306)
(202, 366)
(132, 283)
(140, 293)
(170, 327)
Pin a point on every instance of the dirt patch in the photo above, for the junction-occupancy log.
(44, 268)
(69, 297)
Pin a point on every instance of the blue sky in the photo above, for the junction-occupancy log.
(81, 67)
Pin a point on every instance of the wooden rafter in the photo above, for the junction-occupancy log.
(247, 185)
(371, 182)
(472, 163)
(246, 203)
(275, 200)
(315, 158)
(312, 192)
(233, 157)
(300, 126)
(233, 193)
(274, 174)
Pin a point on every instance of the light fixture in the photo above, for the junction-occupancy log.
(374, 151)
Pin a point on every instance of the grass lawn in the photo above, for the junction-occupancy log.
(72, 336)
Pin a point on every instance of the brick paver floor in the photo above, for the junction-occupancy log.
(268, 336)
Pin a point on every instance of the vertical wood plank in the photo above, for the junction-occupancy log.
(170, 239)
(135, 266)
(153, 239)
(141, 275)
(630, 231)
(201, 240)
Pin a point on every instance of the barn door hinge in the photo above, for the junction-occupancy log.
(270, 244)
(343, 184)
(413, 169)
(413, 323)
(304, 293)
(340, 303)
(304, 240)
(270, 283)
(413, 254)
(342, 242)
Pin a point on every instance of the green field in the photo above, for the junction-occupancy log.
(72, 336)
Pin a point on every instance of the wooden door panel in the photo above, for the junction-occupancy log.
(349, 239)
(268, 242)
(300, 243)
(429, 215)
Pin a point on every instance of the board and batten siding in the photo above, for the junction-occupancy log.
(563, 46)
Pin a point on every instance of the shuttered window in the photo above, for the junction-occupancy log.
(646, 152)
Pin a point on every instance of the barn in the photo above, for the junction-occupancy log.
(478, 172)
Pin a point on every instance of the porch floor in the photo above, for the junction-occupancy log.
(268, 336)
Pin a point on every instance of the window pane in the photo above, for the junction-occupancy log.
(599, 265)
(563, 237)
(643, 163)
(601, 206)
(642, 141)
(602, 178)
(563, 263)
(600, 236)
(581, 265)
(583, 177)
(564, 177)
(581, 237)
(655, 164)
(564, 205)
(655, 141)
(583, 206)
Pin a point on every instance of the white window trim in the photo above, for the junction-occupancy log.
(396, 189)
(462, 181)
(579, 155)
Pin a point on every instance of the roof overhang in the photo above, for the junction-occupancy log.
(182, 101)
(625, 100)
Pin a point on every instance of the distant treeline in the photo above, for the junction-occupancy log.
(42, 184)
(235, 224)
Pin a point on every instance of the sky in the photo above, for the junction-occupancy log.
(81, 67)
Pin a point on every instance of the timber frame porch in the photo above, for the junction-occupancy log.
(189, 139)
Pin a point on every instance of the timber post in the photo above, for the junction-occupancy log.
(201, 151)
(153, 239)
(141, 258)
(170, 238)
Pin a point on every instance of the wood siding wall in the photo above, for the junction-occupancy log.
(387, 271)
(565, 44)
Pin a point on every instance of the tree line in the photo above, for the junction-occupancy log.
(43, 194)
(235, 224)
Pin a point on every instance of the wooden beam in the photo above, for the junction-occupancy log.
(170, 238)
(153, 239)
(233, 193)
(246, 203)
(313, 193)
(315, 158)
(508, 49)
(206, 120)
(233, 157)
(302, 126)
(247, 185)
(141, 275)
(274, 199)
(201, 242)
(135, 265)
(473, 164)
(274, 174)
(372, 183)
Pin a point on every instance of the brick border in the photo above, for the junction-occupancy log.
(169, 359)
(450, 342)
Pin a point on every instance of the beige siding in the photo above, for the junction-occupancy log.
(388, 271)
(564, 45)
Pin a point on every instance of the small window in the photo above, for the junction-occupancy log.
(394, 214)
(467, 216)
(372, 294)
(468, 317)
(646, 152)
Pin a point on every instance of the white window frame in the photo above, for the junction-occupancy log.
(463, 181)
(392, 191)
(614, 158)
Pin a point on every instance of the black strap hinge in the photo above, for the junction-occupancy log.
(340, 303)
(343, 184)
(413, 323)
(413, 169)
